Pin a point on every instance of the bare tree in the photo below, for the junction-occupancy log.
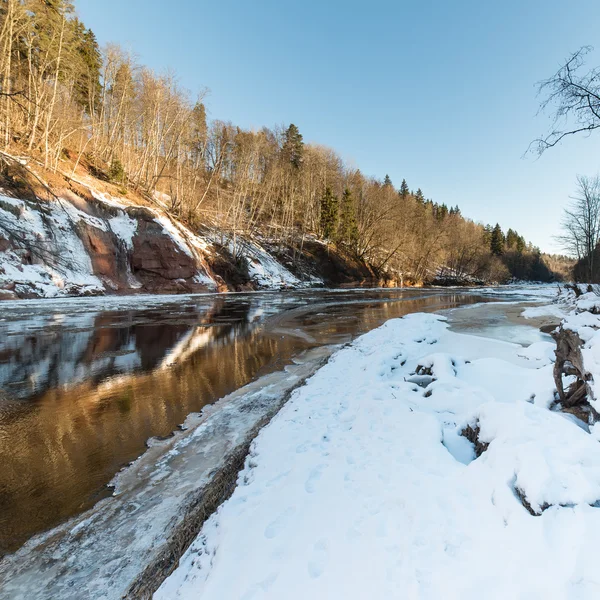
(574, 97)
(581, 222)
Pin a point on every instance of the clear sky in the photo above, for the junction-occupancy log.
(441, 93)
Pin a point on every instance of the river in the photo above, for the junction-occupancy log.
(85, 383)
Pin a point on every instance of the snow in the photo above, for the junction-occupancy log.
(264, 270)
(187, 241)
(546, 310)
(525, 451)
(362, 487)
(60, 260)
(124, 227)
(533, 291)
(589, 301)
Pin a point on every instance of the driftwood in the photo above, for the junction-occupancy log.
(569, 362)
(575, 288)
(472, 434)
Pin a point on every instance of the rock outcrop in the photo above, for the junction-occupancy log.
(85, 247)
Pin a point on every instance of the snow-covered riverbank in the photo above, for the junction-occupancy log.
(363, 486)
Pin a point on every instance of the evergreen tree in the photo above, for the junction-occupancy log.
(387, 181)
(86, 75)
(404, 189)
(419, 196)
(198, 131)
(293, 146)
(329, 214)
(497, 241)
(511, 239)
(348, 229)
(487, 235)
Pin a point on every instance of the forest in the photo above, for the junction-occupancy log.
(68, 103)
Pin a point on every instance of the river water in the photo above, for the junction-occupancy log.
(84, 383)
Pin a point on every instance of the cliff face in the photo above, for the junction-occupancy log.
(95, 244)
(72, 246)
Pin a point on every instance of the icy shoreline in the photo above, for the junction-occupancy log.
(363, 486)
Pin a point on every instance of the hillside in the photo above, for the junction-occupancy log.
(75, 238)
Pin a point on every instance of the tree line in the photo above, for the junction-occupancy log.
(67, 101)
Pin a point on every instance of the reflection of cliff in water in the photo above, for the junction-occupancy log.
(50, 352)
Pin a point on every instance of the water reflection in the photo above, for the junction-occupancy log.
(84, 390)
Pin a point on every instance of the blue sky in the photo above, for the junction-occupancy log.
(440, 93)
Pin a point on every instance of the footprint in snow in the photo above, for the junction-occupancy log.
(318, 560)
(311, 483)
(274, 527)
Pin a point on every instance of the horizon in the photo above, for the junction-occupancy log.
(467, 148)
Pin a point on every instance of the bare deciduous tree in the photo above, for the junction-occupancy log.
(581, 222)
(574, 98)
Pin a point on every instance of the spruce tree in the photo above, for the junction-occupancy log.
(487, 235)
(404, 190)
(348, 230)
(329, 214)
(198, 132)
(511, 239)
(497, 241)
(86, 69)
(293, 146)
(419, 196)
(387, 181)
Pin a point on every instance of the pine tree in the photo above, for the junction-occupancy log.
(329, 214)
(198, 131)
(497, 241)
(293, 146)
(487, 235)
(511, 239)
(387, 181)
(419, 196)
(348, 229)
(441, 212)
(404, 190)
(86, 88)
